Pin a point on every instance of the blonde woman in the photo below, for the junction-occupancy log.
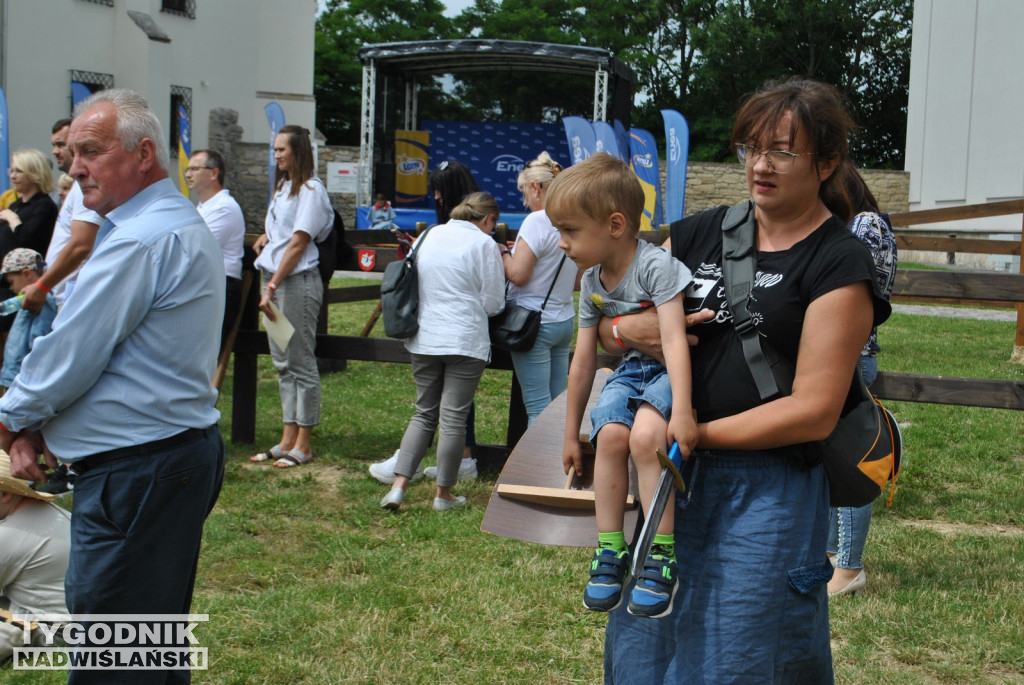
(29, 221)
(532, 264)
(460, 286)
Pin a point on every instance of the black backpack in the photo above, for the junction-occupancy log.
(334, 250)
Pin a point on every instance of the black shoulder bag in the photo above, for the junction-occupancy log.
(864, 451)
(515, 328)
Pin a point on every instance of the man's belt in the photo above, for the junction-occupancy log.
(101, 458)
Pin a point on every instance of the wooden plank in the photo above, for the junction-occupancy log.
(999, 287)
(978, 211)
(925, 243)
(355, 293)
(964, 302)
(951, 390)
(555, 497)
(536, 461)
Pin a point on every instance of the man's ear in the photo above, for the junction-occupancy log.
(146, 150)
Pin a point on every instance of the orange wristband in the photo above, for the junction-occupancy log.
(42, 286)
(615, 332)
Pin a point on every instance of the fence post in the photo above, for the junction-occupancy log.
(1018, 341)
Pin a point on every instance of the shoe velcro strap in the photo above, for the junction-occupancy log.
(619, 566)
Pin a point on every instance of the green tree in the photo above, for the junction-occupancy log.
(860, 46)
(701, 57)
(341, 30)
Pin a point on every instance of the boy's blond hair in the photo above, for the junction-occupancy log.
(597, 187)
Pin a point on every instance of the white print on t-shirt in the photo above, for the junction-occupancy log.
(707, 291)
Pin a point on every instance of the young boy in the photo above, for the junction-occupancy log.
(22, 267)
(596, 205)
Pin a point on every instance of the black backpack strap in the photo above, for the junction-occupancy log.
(739, 262)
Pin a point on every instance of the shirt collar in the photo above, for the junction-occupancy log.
(140, 200)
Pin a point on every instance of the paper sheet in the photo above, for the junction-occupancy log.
(280, 331)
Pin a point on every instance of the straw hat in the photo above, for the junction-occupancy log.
(9, 483)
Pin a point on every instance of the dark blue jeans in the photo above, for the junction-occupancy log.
(136, 528)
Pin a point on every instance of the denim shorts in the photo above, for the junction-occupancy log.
(635, 381)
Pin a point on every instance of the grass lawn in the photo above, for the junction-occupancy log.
(307, 580)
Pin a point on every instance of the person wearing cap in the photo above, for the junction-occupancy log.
(21, 267)
(35, 542)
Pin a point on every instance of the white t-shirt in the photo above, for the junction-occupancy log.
(71, 210)
(542, 237)
(224, 217)
(309, 211)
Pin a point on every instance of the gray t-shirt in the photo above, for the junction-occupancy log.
(654, 277)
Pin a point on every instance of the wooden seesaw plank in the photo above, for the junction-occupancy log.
(561, 515)
(555, 497)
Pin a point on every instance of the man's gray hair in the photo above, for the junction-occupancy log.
(135, 121)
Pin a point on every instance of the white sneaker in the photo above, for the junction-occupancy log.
(384, 471)
(467, 470)
(446, 504)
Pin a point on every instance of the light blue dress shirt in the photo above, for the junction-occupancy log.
(133, 351)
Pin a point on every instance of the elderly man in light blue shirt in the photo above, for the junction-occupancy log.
(121, 389)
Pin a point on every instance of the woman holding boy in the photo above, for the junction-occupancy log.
(750, 533)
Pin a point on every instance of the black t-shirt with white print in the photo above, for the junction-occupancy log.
(785, 283)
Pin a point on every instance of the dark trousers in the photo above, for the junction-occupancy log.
(136, 528)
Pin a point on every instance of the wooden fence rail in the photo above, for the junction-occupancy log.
(919, 285)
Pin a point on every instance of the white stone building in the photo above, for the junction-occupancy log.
(965, 136)
(203, 54)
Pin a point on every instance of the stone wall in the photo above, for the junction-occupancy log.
(711, 184)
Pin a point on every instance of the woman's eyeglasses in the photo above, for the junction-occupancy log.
(779, 161)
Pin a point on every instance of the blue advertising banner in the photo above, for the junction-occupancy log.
(580, 136)
(606, 140)
(275, 118)
(677, 140)
(5, 159)
(184, 148)
(644, 160)
(495, 152)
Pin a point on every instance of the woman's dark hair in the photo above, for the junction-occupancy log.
(859, 195)
(302, 159)
(453, 181)
(818, 110)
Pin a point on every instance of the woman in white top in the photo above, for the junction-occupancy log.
(460, 285)
(531, 267)
(299, 215)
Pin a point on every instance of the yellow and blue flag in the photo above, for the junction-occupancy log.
(184, 148)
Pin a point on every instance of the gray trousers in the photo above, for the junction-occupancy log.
(299, 296)
(445, 386)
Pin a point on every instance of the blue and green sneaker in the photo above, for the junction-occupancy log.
(608, 571)
(655, 588)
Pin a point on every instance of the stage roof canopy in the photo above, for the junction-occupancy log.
(450, 56)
